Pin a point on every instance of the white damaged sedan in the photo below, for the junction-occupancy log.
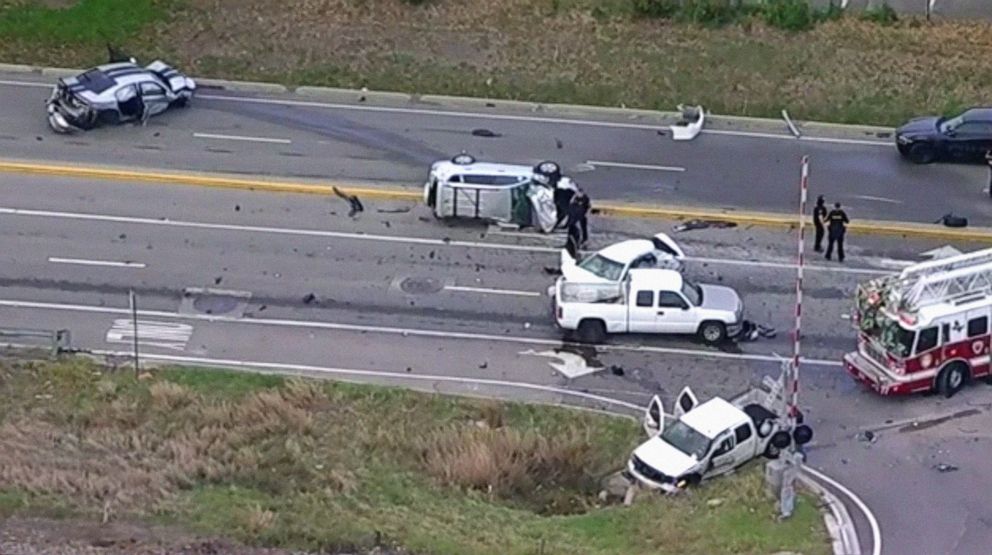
(611, 264)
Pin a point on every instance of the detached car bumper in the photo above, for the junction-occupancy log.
(58, 122)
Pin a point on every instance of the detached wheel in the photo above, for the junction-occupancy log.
(713, 332)
(591, 331)
(921, 153)
(952, 378)
(463, 159)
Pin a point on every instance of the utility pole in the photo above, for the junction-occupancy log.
(133, 302)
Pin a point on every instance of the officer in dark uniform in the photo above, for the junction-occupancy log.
(836, 228)
(988, 160)
(819, 215)
(578, 211)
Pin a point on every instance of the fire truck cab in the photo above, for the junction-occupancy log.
(925, 328)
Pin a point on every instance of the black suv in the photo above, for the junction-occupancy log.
(964, 138)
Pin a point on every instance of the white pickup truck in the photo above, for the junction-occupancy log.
(647, 301)
(713, 438)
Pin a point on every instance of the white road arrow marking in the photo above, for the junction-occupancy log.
(569, 364)
(167, 335)
(946, 251)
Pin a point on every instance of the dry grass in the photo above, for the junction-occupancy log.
(586, 52)
(327, 466)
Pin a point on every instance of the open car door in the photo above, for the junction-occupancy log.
(665, 244)
(685, 402)
(654, 417)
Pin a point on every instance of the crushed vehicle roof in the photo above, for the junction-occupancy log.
(625, 252)
(714, 416)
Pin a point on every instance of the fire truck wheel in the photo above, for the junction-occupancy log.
(952, 378)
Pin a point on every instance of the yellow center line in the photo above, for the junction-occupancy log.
(392, 192)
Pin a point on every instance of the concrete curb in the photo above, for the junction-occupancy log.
(840, 526)
(390, 191)
(659, 117)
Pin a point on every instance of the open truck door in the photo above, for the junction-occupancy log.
(654, 417)
(685, 402)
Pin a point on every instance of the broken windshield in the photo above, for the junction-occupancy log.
(602, 267)
(890, 335)
(686, 439)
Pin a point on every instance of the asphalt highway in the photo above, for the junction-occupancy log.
(290, 282)
(739, 166)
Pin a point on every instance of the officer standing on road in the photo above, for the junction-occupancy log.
(836, 228)
(819, 216)
(564, 191)
(988, 160)
(578, 210)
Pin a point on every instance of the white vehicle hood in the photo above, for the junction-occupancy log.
(717, 297)
(664, 458)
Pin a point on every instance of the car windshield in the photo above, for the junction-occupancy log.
(602, 267)
(686, 439)
(692, 292)
(950, 124)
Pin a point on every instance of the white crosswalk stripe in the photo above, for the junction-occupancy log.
(167, 335)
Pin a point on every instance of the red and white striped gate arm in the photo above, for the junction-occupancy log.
(794, 386)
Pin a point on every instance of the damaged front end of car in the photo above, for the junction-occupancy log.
(67, 113)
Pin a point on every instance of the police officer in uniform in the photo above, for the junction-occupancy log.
(988, 160)
(819, 215)
(836, 228)
(578, 211)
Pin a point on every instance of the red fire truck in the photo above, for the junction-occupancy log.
(926, 327)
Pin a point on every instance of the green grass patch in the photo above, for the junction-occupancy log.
(322, 466)
(82, 22)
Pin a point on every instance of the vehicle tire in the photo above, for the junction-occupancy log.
(713, 332)
(693, 479)
(463, 159)
(802, 435)
(591, 331)
(771, 452)
(921, 153)
(952, 378)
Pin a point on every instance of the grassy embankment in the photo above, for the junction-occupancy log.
(608, 52)
(306, 464)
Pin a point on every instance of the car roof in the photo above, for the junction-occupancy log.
(100, 83)
(714, 416)
(625, 252)
(656, 278)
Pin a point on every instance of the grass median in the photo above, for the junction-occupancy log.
(843, 69)
(321, 465)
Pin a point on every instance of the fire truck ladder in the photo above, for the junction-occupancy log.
(943, 280)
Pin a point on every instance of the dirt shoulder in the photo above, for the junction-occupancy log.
(571, 51)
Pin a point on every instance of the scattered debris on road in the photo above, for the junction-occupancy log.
(751, 331)
(944, 467)
(310, 298)
(703, 224)
(867, 437)
(485, 133)
(353, 202)
(401, 210)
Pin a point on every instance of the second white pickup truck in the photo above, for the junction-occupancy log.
(647, 301)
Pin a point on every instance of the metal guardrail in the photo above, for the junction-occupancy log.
(59, 341)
